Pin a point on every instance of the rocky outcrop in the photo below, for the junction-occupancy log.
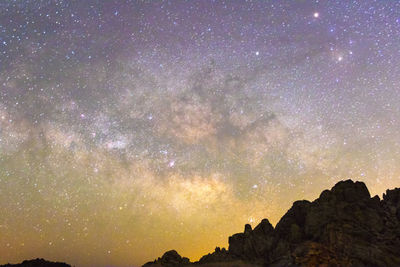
(170, 258)
(37, 263)
(343, 227)
(219, 255)
(391, 201)
(252, 244)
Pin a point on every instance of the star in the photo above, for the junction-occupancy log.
(155, 121)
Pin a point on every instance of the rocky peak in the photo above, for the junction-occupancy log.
(219, 255)
(171, 259)
(391, 201)
(247, 229)
(392, 196)
(264, 228)
(350, 191)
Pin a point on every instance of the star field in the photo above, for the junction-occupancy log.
(128, 128)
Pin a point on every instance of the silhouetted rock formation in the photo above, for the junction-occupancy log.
(37, 263)
(170, 258)
(343, 227)
(219, 255)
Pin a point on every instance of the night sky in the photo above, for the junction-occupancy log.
(128, 128)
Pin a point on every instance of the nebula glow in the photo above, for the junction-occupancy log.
(128, 128)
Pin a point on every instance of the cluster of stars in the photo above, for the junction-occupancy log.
(128, 128)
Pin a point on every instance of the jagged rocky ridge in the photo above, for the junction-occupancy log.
(343, 227)
(37, 263)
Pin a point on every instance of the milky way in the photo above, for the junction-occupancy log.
(128, 128)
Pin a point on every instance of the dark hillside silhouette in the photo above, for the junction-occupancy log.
(37, 263)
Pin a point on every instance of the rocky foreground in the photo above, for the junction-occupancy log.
(343, 227)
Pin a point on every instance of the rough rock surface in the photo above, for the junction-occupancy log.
(343, 227)
(37, 263)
